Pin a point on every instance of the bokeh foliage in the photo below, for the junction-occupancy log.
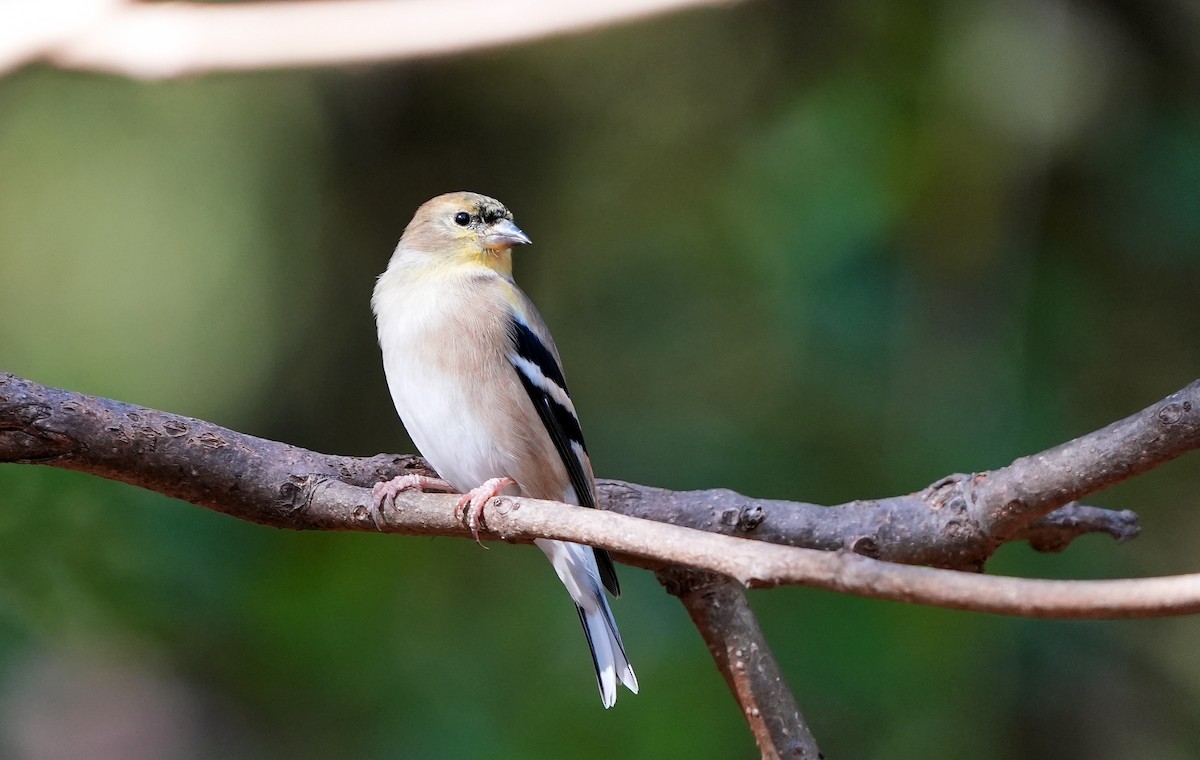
(810, 250)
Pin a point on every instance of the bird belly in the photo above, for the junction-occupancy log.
(438, 418)
(448, 410)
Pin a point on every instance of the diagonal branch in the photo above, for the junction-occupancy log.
(1007, 500)
(958, 521)
(721, 612)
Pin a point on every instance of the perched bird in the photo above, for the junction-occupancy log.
(478, 383)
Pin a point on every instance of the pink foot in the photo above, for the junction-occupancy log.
(471, 505)
(386, 492)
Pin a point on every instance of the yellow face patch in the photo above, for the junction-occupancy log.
(455, 228)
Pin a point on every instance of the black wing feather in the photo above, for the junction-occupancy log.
(563, 428)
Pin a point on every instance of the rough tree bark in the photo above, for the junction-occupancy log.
(721, 612)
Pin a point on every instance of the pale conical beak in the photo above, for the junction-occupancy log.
(505, 234)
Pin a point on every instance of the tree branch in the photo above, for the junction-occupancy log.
(954, 522)
(930, 527)
(175, 39)
(288, 487)
(259, 480)
(721, 612)
(960, 520)
(1008, 499)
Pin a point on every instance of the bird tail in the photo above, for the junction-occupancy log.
(576, 568)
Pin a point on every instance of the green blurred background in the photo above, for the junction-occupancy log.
(820, 250)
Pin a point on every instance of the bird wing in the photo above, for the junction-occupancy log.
(533, 359)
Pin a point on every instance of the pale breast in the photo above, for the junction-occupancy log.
(445, 344)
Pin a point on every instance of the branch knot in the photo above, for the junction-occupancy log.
(1172, 413)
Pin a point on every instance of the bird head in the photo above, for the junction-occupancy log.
(464, 227)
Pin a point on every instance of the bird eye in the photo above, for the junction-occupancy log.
(462, 218)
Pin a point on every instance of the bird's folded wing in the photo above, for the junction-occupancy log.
(542, 378)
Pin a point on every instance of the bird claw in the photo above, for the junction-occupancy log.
(386, 492)
(470, 506)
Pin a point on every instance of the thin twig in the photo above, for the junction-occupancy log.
(761, 565)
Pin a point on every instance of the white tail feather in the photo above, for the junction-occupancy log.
(576, 568)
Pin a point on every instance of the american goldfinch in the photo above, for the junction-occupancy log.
(478, 383)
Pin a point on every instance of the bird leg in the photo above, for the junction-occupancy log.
(388, 490)
(471, 505)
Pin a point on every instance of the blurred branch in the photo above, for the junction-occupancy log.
(288, 487)
(721, 612)
(28, 29)
(175, 39)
